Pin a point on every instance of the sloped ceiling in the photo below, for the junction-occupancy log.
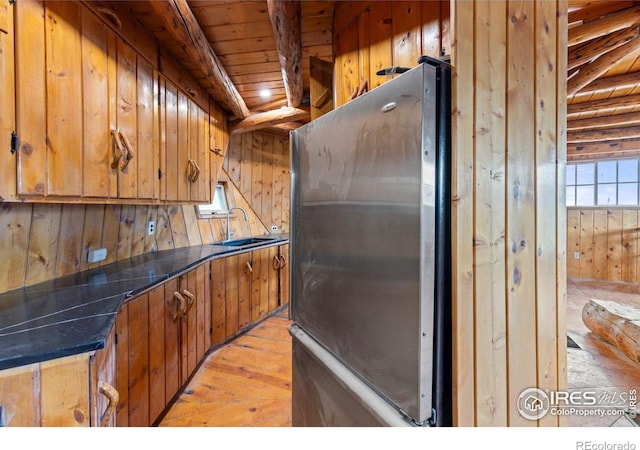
(603, 111)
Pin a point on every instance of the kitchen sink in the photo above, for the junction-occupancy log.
(244, 242)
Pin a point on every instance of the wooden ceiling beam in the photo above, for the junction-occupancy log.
(595, 69)
(267, 119)
(611, 148)
(625, 80)
(604, 25)
(181, 24)
(615, 120)
(604, 105)
(588, 51)
(285, 20)
(283, 129)
(603, 134)
(597, 10)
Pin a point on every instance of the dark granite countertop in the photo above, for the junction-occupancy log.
(74, 314)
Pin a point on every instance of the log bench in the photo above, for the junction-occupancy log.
(615, 323)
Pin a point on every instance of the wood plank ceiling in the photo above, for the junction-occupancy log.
(242, 42)
(603, 87)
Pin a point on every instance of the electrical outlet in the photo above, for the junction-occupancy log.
(274, 227)
(151, 228)
(96, 254)
(576, 255)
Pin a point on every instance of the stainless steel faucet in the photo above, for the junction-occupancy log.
(246, 219)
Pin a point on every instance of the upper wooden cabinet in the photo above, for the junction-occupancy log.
(185, 142)
(7, 102)
(94, 119)
(85, 107)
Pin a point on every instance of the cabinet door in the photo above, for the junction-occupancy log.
(147, 351)
(48, 95)
(218, 301)
(172, 326)
(284, 275)
(262, 267)
(274, 278)
(104, 396)
(98, 78)
(199, 153)
(184, 146)
(7, 102)
(133, 362)
(194, 286)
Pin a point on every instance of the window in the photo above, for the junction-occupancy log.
(218, 206)
(603, 183)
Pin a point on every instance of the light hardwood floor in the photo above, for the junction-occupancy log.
(247, 382)
(597, 365)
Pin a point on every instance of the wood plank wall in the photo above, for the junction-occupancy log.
(509, 156)
(44, 241)
(258, 165)
(606, 243)
(372, 35)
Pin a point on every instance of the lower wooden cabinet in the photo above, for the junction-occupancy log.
(73, 391)
(245, 288)
(161, 337)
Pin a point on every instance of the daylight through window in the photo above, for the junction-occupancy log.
(603, 183)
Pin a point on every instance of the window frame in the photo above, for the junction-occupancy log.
(216, 213)
(596, 184)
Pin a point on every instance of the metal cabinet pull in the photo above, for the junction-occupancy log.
(182, 306)
(276, 262)
(191, 299)
(114, 398)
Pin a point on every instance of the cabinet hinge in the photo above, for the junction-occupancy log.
(159, 174)
(115, 338)
(11, 2)
(15, 142)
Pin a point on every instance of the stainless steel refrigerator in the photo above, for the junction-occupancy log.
(370, 257)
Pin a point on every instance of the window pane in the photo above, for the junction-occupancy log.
(628, 170)
(607, 171)
(628, 194)
(584, 195)
(571, 196)
(607, 194)
(219, 199)
(585, 173)
(571, 174)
